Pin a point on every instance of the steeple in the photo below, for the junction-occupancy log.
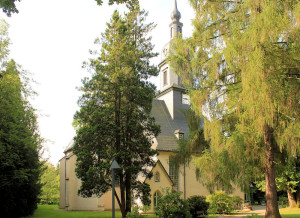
(175, 16)
(176, 25)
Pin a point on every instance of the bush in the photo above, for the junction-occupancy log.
(197, 203)
(220, 203)
(170, 205)
(283, 201)
(134, 213)
(237, 202)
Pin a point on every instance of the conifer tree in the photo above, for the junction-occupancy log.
(20, 141)
(114, 120)
(242, 67)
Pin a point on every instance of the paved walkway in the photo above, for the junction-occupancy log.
(258, 210)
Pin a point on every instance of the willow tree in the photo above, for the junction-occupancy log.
(114, 120)
(242, 67)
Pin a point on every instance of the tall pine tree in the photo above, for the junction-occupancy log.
(114, 120)
(242, 67)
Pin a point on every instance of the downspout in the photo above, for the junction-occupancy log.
(65, 182)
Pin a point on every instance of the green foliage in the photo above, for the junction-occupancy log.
(197, 203)
(8, 6)
(134, 213)
(237, 202)
(241, 66)
(20, 141)
(283, 201)
(50, 181)
(220, 203)
(170, 205)
(111, 2)
(114, 120)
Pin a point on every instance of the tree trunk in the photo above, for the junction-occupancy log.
(272, 210)
(128, 192)
(123, 202)
(298, 196)
(291, 197)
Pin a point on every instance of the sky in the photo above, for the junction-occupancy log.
(51, 40)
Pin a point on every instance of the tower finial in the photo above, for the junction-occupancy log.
(175, 16)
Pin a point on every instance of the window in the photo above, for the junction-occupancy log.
(171, 32)
(165, 82)
(156, 177)
(179, 29)
(156, 198)
(185, 99)
(179, 134)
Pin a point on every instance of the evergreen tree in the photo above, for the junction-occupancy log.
(19, 140)
(242, 67)
(114, 120)
(9, 7)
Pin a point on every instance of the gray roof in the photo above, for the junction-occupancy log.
(166, 139)
(70, 146)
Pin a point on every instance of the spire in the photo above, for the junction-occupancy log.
(176, 25)
(175, 16)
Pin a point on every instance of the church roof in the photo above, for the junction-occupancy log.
(166, 139)
(70, 146)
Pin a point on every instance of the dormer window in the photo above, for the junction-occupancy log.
(179, 134)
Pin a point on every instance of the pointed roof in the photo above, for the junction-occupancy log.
(175, 15)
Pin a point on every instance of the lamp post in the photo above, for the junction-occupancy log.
(114, 166)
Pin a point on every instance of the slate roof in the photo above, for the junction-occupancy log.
(70, 146)
(166, 139)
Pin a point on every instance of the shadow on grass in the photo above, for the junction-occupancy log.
(52, 211)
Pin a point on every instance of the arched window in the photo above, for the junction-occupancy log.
(156, 198)
(179, 29)
(156, 177)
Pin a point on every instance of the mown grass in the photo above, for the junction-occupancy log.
(285, 213)
(290, 212)
(52, 211)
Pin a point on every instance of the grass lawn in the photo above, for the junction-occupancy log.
(52, 211)
(290, 212)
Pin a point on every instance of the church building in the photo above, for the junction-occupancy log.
(167, 109)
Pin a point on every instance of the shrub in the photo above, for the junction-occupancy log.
(237, 202)
(283, 201)
(134, 213)
(197, 203)
(170, 205)
(220, 203)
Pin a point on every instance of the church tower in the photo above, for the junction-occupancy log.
(171, 89)
(176, 25)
